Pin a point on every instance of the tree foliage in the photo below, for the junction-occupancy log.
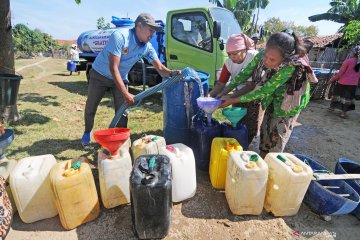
(352, 33)
(273, 25)
(244, 11)
(101, 23)
(31, 41)
(341, 11)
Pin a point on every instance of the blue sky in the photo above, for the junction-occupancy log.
(63, 19)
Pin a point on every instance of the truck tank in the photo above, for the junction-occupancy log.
(92, 42)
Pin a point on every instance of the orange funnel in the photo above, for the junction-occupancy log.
(112, 138)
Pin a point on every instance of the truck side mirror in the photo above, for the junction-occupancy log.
(217, 29)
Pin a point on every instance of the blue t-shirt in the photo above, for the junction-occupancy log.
(124, 44)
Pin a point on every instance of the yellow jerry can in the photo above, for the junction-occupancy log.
(75, 193)
(220, 148)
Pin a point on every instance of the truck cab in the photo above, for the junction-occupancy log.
(196, 38)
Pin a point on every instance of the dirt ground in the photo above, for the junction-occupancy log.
(319, 133)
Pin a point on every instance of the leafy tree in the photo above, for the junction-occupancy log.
(31, 41)
(273, 25)
(244, 10)
(352, 33)
(101, 23)
(341, 11)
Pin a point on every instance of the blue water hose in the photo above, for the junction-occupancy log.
(185, 73)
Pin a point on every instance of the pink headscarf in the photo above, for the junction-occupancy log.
(237, 42)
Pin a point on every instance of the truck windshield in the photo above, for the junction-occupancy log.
(229, 24)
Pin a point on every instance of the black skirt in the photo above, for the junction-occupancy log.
(343, 97)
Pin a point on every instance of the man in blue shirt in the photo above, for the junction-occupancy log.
(111, 67)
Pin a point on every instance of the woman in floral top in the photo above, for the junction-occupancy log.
(281, 74)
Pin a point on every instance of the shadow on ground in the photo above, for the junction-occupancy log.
(78, 87)
(207, 203)
(112, 223)
(62, 74)
(135, 136)
(50, 224)
(29, 117)
(37, 98)
(57, 146)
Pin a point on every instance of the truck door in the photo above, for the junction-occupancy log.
(189, 42)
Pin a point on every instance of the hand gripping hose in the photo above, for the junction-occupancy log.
(185, 73)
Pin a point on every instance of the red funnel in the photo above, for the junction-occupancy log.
(112, 138)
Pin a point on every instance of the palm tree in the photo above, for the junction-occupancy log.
(341, 11)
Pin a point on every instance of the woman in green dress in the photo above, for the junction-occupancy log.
(281, 73)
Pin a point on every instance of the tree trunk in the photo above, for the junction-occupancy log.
(250, 31)
(7, 64)
(257, 18)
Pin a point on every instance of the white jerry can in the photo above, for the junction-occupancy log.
(289, 179)
(246, 179)
(183, 170)
(31, 189)
(114, 175)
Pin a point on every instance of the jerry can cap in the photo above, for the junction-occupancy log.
(152, 162)
(76, 165)
(170, 148)
(254, 157)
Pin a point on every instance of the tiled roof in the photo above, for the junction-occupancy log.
(319, 41)
(62, 42)
(322, 41)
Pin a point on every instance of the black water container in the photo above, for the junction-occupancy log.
(201, 135)
(9, 88)
(240, 133)
(151, 202)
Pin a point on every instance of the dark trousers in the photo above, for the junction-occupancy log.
(98, 85)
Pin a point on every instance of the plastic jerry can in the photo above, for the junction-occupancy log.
(288, 181)
(183, 170)
(220, 148)
(31, 189)
(150, 187)
(75, 193)
(71, 66)
(246, 179)
(202, 135)
(240, 133)
(114, 174)
(149, 144)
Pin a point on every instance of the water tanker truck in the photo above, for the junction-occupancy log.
(192, 37)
